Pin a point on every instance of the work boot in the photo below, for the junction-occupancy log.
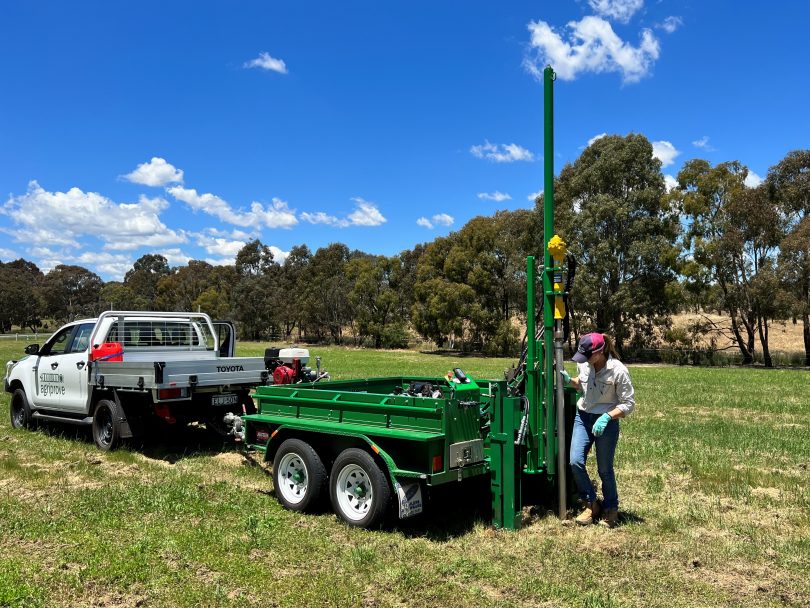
(610, 518)
(589, 513)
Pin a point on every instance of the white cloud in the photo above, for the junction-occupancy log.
(157, 172)
(221, 261)
(620, 10)
(596, 137)
(592, 46)
(665, 152)
(237, 235)
(440, 219)
(534, 195)
(60, 218)
(703, 143)
(112, 266)
(670, 182)
(365, 214)
(319, 217)
(752, 180)
(217, 245)
(496, 196)
(266, 62)
(276, 215)
(279, 256)
(175, 256)
(502, 153)
(671, 24)
(8, 255)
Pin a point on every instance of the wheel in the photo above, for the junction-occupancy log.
(106, 426)
(359, 489)
(298, 476)
(20, 411)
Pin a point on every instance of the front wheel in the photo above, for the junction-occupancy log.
(298, 475)
(359, 489)
(106, 426)
(21, 417)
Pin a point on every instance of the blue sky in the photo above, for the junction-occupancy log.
(187, 128)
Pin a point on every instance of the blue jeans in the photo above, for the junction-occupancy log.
(581, 441)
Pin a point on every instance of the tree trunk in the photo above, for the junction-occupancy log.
(806, 333)
(762, 328)
(747, 355)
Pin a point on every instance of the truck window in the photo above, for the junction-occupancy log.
(58, 344)
(81, 339)
(156, 333)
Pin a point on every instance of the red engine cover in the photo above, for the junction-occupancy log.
(283, 375)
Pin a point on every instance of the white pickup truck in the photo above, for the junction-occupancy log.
(126, 371)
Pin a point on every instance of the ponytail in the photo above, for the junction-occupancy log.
(610, 348)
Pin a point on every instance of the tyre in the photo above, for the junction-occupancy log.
(359, 489)
(106, 426)
(298, 476)
(20, 411)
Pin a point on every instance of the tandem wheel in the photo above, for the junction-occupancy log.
(359, 489)
(299, 476)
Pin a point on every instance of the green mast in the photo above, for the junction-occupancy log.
(548, 287)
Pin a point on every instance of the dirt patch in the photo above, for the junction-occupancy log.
(133, 598)
(773, 493)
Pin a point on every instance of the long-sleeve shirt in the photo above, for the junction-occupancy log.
(606, 389)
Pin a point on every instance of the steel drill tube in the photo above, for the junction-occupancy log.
(561, 450)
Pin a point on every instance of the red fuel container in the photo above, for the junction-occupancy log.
(108, 351)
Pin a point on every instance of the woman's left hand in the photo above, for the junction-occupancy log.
(600, 424)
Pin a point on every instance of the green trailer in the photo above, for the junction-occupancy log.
(368, 444)
(360, 443)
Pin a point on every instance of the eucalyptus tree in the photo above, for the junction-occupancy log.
(623, 231)
(789, 185)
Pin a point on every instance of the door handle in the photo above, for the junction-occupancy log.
(79, 364)
(54, 365)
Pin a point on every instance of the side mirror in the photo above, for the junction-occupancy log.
(32, 349)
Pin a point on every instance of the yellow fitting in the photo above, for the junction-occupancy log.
(557, 248)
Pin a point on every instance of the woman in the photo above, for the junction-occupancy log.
(607, 395)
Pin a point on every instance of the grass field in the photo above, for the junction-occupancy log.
(713, 478)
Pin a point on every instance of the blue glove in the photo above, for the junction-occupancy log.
(600, 424)
(566, 377)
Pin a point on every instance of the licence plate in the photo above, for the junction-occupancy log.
(224, 399)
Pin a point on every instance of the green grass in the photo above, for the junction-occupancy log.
(712, 470)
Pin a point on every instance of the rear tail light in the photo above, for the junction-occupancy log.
(438, 463)
(170, 393)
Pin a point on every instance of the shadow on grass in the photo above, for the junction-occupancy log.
(451, 510)
(167, 443)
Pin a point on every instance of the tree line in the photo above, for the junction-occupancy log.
(710, 244)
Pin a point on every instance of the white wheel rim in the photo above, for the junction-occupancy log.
(354, 493)
(293, 478)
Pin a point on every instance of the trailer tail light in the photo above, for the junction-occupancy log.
(438, 463)
(170, 393)
(262, 435)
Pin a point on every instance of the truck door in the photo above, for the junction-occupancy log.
(227, 338)
(73, 365)
(49, 378)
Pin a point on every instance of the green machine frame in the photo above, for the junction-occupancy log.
(549, 412)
